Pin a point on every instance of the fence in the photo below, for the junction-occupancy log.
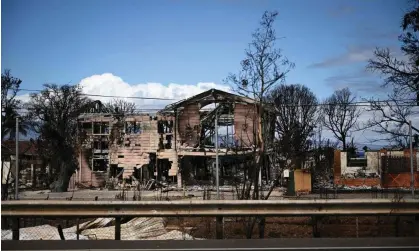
(142, 220)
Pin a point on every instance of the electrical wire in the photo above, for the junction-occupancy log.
(104, 96)
(356, 103)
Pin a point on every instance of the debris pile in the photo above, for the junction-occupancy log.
(43, 232)
(137, 228)
(174, 235)
(103, 229)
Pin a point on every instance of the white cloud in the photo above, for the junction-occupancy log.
(108, 84)
(355, 54)
(24, 97)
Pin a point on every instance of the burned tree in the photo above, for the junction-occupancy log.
(401, 76)
(263, 67)
(54, 113)
(10, 106)
(340, 114)
(120, 106)
(295, 107)
(322, 155)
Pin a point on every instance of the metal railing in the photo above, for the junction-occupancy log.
(16, 210)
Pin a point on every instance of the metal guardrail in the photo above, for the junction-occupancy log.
(208, 208)
(222, 208)
(295, 244)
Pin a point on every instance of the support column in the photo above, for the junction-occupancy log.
(33, 179)
(179, 175)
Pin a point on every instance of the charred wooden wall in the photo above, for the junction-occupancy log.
(189, 123)
(134, 149)
(85, 175)
(245, 122)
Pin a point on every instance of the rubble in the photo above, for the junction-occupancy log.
(97, 223)
(174, 235)
(137, 228)
(43, 232)
(99, 229)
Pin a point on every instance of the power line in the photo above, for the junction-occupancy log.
(135, 110)
(356, 103)
(103, 96)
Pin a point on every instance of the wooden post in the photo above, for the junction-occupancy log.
(219, 227)
(15, 229)
(118, 228)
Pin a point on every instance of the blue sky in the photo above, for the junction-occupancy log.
(188, 42)
(178, 48)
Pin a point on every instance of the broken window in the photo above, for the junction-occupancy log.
(169, 142)
(133, 127)
(86, 125)
(100, 145)
(99, 165)
(356, 159)
(167, 126)
(160, 127)
(100, 128)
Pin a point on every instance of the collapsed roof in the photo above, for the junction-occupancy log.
(208, 97)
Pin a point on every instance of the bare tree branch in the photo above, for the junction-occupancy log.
(54, 114)
(263, 67)
(392, 117)
(340, 115)
(120, 106)
(10, 107)
(294, 122)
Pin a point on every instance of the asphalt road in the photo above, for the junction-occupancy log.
(359, 244)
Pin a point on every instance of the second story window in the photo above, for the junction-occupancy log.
(100, 128)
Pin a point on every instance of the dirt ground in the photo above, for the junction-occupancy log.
(301, 227)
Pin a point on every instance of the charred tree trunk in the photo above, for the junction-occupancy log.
(65, 164)
(63, 179)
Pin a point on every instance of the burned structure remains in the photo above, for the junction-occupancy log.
(175, 145)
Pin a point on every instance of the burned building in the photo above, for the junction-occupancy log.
(175, 145)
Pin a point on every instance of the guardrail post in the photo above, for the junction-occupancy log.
(118, 228)
(357, 227)
(15, 229)
(262, 227)
(315, 226)
(78, 229)
(219, 227)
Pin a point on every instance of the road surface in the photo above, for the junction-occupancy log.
(358, 244)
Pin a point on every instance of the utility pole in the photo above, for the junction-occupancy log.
(217, 178)
(219, 220)
(412, 181)
(17, 160)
